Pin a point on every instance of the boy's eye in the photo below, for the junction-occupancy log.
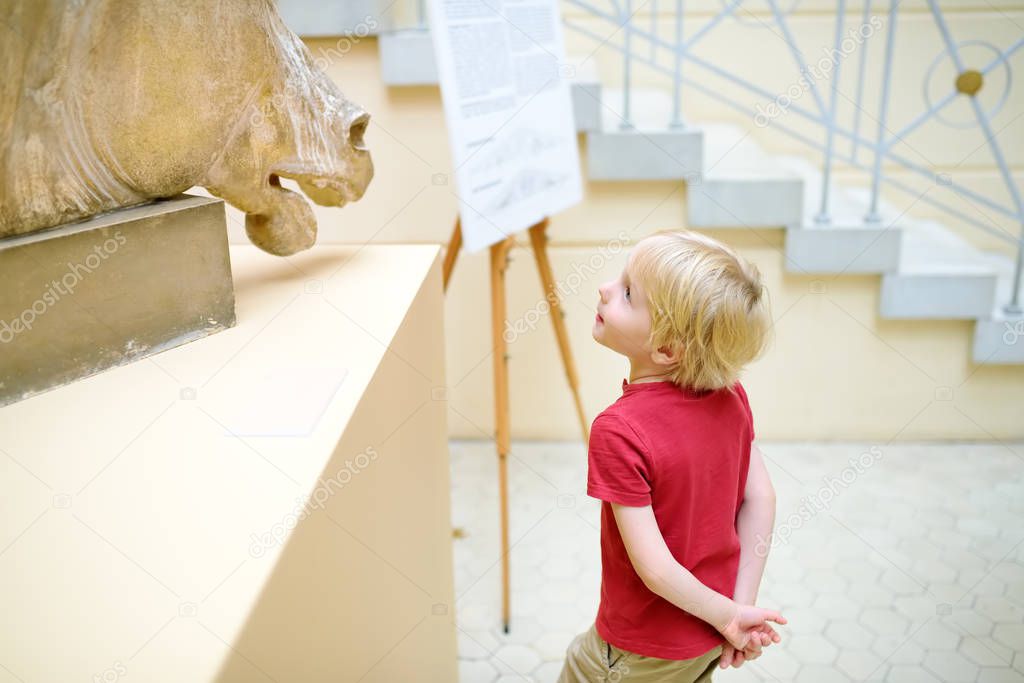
(627, 292)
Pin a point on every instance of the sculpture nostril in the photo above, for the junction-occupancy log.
(357, 129)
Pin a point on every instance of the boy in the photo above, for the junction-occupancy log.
(685, 493)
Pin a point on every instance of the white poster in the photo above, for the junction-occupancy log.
(501, 66)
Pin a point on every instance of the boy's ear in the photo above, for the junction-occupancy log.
(666, 355)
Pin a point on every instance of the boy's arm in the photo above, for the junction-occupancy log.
(664, 576)
(754, 525)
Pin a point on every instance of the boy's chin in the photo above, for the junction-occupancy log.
(598, 334)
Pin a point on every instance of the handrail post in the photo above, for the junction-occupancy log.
(876, 175)
(677, 76)
(826, 171)
(1013, 307)
(654, 29)
(626, 54)
(864, 21)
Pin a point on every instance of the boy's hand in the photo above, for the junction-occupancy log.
(733, 657)
(749, 627)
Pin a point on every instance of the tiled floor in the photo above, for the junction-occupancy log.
(907, 567)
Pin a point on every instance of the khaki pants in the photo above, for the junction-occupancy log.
(590, 659)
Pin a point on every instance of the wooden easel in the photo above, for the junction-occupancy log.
(499, 264)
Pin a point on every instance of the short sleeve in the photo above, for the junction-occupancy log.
(746, 405)
(619, 467)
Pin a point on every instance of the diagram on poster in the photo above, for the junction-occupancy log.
(501, 66)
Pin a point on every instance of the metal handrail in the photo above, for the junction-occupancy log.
(826, 114)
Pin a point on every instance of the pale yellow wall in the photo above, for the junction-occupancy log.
(834, 371)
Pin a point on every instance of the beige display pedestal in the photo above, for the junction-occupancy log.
(268, 503)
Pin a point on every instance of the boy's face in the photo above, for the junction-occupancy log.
(623, 322)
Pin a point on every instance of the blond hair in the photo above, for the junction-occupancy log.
(706, 302)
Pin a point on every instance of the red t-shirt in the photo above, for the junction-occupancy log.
(686, 454)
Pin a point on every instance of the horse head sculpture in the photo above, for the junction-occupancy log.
(108, 104)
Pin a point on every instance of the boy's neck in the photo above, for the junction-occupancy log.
(639, 374)
(644, 380)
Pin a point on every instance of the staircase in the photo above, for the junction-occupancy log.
(927, 271)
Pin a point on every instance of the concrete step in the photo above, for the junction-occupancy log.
(849, 248)
(846, 243)
(741, 186)
(939, 275)
(650, 109)
(407, 57)
(648, 150)
(315, 18)
(743, 201)
(999, 337)
(585, 87)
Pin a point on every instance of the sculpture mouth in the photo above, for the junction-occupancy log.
(323, 190)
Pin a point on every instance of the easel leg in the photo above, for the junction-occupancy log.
(499, 263)
(539, 240)
(450, 254)
(454, 245)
